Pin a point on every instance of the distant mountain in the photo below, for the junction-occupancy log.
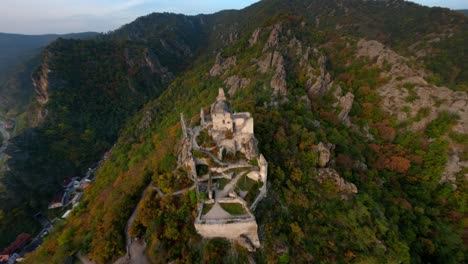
(463, 11)
(19, 55)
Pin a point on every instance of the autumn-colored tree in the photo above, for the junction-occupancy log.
(398, 164)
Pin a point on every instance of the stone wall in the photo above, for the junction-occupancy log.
(230, 231)
(263, 164)
(222, 121)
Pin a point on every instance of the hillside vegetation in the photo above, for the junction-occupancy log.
(313, 76)
(19, 56)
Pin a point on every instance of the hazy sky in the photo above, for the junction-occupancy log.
(65, 16)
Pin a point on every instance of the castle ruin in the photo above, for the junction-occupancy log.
(221, 157)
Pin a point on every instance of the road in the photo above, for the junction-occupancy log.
(6, 137)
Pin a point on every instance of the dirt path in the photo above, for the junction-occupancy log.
(160, 193)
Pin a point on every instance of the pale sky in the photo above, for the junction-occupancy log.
(67, 16)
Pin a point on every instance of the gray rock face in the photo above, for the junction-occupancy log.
(222, 64)
(345, 188)
(235, 83)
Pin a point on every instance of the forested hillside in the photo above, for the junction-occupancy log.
(382, 81)
(19, 56)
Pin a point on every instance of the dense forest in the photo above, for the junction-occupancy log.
(19, 56)
(130, 86)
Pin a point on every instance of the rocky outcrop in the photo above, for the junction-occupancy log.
(324, 152)
(222, 64)
(374, 49)
(323, 83)
(346, 189)
(151, 61)
(235, 83)
(405, 81)
(40, 81)
(254, 39)
(407, 94)
(453, 167)
(275, 60)
(273, 39)
(278, 82)
(345, 103)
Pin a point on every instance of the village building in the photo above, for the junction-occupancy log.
(9, 253)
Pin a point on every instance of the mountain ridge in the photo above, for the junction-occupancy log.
(19, 56)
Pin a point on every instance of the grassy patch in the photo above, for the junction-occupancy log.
(245, 183)
(206, 208)
(223, 182)
(203, 137)
(442, 124)
(233, 208)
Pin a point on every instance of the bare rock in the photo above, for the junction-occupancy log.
(324, 151)
(275, 60)
(235, 83)
(151, 61)
(270, 60)
(265, 63)
(278, 82)
(253, 40)
(345, 103)
(273, 39)
(295, 43)
(305, 57)
(323, 83)
(40, 81)
(374, 49)
(409, 95)
(222, 64)
(345, 188)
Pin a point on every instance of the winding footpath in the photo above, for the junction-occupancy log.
(136, 248)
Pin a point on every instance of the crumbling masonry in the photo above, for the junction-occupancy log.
(221, 157)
